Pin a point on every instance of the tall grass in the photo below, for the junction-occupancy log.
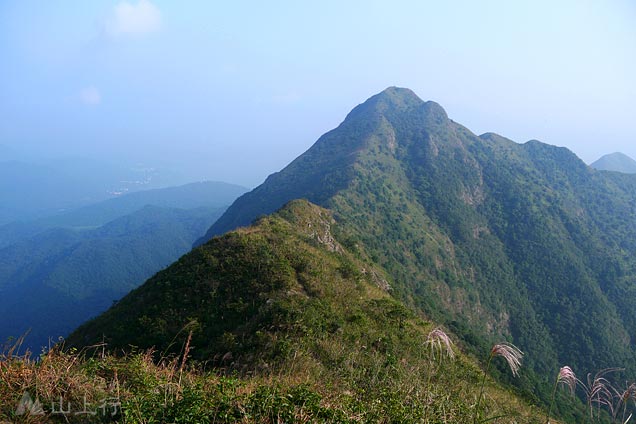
(566, 377)
(512, 355)
(430, 384)
(604, 402)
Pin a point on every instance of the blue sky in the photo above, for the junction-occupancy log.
(236, 90)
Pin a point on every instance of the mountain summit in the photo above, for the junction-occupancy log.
(330, 164)
(491, 237)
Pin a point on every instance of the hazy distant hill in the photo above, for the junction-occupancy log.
(56, 272)
(36, 189)
(618, 162)
(203, 194)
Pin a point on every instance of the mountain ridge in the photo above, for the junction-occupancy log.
(391, 98)
(398, 168)
(491, 238)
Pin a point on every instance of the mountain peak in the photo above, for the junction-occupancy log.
(399, 95)
(398, 100)
(617, 161)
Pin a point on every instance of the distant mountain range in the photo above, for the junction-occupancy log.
(208, 194)
(618, 162)
(491, 238)
(57, 272)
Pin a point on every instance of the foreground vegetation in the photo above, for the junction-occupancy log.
(437, 384)
(428, 385)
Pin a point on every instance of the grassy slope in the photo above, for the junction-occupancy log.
(287, 306)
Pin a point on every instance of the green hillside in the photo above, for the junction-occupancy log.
(285, 304)
(493, 238)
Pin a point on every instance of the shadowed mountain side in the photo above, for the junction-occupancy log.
(60, 278)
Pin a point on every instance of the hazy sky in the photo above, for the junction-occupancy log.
(236, 89)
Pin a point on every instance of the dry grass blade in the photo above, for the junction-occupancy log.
(623, 399)
(14, 350)
(600, 391)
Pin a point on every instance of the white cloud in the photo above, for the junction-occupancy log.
(133, 19)
(90, 96)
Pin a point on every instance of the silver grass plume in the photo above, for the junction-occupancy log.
(510, 353)
(568, 378)
(439, 341)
